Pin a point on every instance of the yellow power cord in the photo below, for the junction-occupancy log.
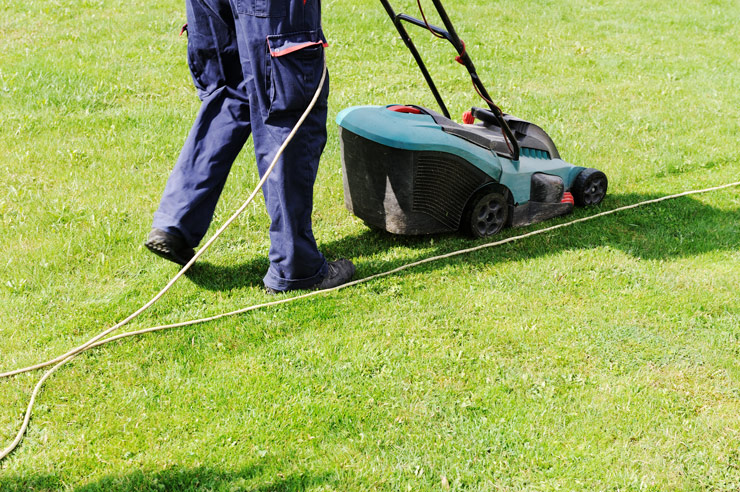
(96, 341)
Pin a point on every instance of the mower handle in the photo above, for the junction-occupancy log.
(463, 58)
(423, 25)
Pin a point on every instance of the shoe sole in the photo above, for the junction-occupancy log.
(162, 250)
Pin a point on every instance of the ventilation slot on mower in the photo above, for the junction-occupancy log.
(535, 153)
(443, 183)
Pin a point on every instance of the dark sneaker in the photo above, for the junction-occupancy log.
(339, 273)
(169, 247)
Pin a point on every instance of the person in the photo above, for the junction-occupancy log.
(256, 65)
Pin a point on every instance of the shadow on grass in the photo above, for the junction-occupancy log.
(253, 478)
(675, 228)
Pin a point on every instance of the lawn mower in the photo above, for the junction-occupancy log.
(410, 170)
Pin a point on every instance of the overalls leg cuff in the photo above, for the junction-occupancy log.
(280, 284)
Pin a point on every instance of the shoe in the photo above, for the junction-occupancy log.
(339, 272)
(169, 247)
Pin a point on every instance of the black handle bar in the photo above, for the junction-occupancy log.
(420, 23)
(450, 35)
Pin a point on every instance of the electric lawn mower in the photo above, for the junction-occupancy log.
(411, 170)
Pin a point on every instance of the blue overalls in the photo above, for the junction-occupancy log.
(256, 65)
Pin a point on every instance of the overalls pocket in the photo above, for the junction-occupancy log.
(196, 52)
(263, 8)
(294, 69)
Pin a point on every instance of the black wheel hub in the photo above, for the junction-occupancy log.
(594, 192)
(490, 217)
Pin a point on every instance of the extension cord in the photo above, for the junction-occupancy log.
(96, 341)
(63, 359)
(287, 300)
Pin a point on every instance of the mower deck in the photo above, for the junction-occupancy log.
(410, 170)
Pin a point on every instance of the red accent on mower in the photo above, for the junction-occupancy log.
(404, 109)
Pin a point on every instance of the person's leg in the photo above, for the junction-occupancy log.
(284, 44)
(221, 127)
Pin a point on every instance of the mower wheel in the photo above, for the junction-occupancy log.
(486, 214)
(589, 187)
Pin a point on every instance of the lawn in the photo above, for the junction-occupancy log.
(603, 356)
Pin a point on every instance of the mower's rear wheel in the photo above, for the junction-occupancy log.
(589, 187)
(486, 214)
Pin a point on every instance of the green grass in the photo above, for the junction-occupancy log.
(598, 357)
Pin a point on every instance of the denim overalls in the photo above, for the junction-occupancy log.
(256, 65)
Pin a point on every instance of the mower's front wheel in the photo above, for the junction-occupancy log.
(486, 214)
(589, 187)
